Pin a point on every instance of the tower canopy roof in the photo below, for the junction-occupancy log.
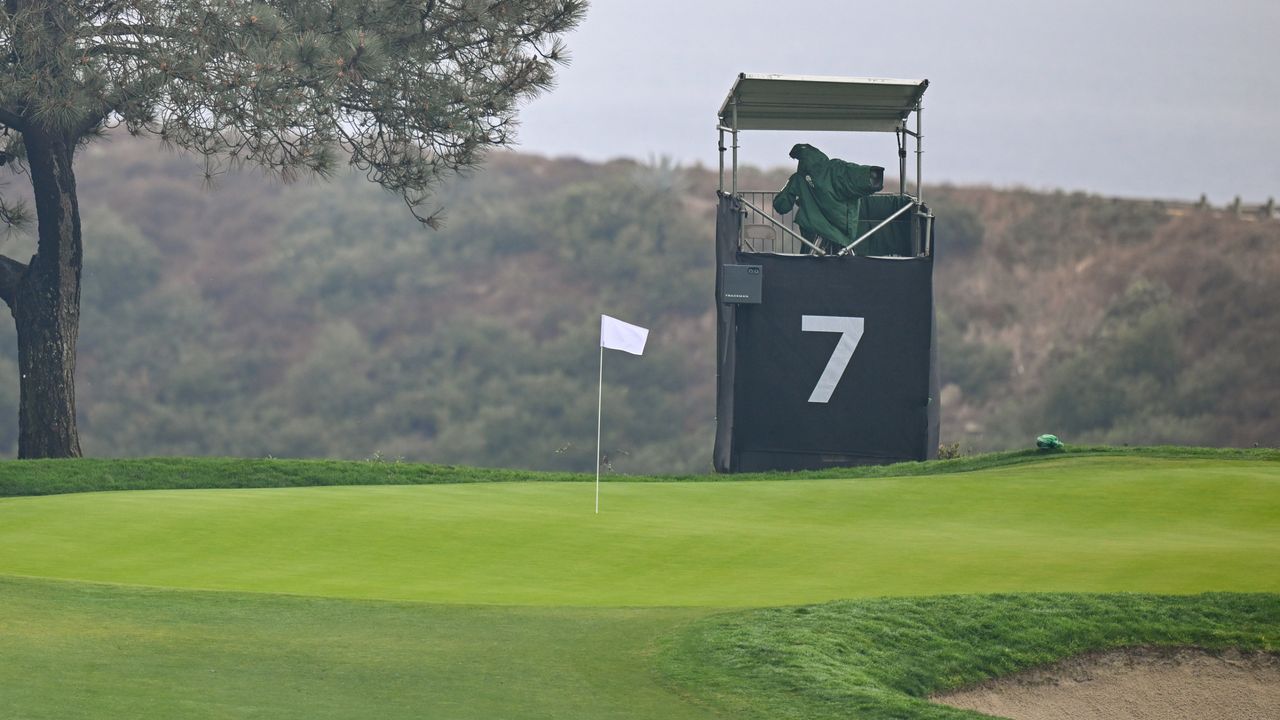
(818, 102)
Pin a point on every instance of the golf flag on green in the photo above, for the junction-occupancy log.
(615, 335)
(618, 335)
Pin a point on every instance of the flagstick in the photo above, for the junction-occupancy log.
(599, 412)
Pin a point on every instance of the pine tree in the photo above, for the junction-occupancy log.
(407, 91)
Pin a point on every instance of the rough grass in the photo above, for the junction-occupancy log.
(881, 659)
(51, 477)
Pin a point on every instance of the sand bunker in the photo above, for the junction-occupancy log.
(1135, 684)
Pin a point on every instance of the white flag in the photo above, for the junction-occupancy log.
(617, 335)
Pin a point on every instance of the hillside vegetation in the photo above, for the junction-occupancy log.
(319, 320)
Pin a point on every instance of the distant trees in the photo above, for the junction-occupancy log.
(958, 230)
(407, 90)
(310, 320)
(1128, 371)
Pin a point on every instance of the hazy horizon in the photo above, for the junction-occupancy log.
(1136, 99)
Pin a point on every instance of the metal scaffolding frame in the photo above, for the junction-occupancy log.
(825, 103)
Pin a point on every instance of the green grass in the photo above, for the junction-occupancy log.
(881, 659)
(76, 651)
(1093, 524)
(390, 590)
(51, 477)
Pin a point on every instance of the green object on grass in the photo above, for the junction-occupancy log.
(1049, 442)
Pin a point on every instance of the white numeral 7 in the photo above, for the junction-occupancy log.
(850, 329)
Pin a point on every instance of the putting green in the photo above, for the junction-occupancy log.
(1082, 524)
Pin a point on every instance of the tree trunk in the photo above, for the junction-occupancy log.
(46, 305)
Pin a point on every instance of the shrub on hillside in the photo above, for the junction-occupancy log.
(1128, 368)
(976, 367)
(957, 230)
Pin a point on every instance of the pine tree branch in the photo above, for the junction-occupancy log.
(12, 119)
(132, 30)
(91, 10)
(118, 51)
(10, 275)
(113, 103)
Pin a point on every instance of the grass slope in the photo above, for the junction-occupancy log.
(1095, 524)
(84, 651)
(52, 477)
(881, 659)
(76, 651)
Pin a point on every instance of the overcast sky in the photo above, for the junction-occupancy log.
(1141, 98)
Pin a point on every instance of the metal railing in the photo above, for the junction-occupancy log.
(765, 230)
(898, 213)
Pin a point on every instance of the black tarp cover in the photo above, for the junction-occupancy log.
(884, 406)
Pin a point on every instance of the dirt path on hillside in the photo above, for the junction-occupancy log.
(1135, 684)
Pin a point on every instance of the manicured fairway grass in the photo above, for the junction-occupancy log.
(1092, 524)
(427, 592)
(76, 651)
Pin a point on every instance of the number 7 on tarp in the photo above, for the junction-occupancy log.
(850, 329)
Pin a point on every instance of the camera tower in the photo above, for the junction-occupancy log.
(825, 350)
